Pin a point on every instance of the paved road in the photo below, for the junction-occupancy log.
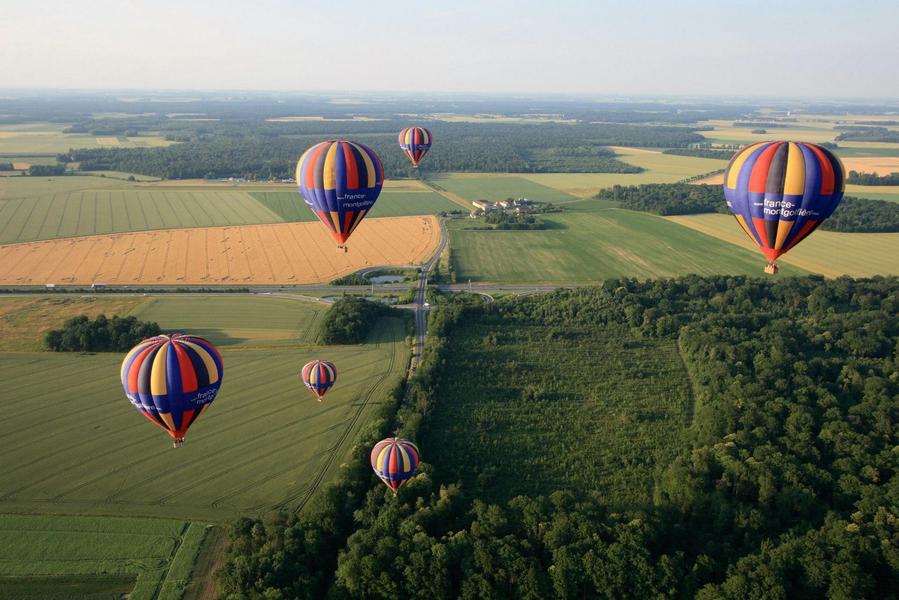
(421, 313)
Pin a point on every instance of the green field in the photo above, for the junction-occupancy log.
(474, 186)
(74, 445)
(576, 408)
(48, 208)
(591, 241)
(64, 557)
(290, 207)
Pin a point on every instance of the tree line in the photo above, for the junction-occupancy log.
(862, 178)
(350, 319)
(81, 334)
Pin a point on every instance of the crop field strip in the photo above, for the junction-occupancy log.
(615, 404)
(285, 253)
(266, 444)
(827, 252)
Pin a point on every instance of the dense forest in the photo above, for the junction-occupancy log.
(784, 486)
(270, 150)
(862, 178)
(853, 215)
(118, 334)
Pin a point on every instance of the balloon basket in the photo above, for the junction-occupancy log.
(341, 249)
(771, 269)
(178, 442)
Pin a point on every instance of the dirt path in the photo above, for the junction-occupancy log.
(202, 585)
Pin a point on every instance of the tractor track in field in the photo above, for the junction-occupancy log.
(366, 398)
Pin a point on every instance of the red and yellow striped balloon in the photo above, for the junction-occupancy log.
(340, 181)
(319, 376)
(780, 192)
(415, 142)
(395, 461)
(172, 380)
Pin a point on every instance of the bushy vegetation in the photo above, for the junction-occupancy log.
(81, 334)
(349, 320)
(351, 279)
(862, 178)
(784, 485)
(668, 198)
(506, 220)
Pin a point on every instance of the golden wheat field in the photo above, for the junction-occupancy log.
(281, 253)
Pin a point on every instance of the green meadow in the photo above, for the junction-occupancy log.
(65, 557)
(591, 241)
(74, 445)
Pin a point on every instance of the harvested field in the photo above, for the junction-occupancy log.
(283, 253)
(882, 165)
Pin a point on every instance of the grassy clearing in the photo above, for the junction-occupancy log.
(266, 443)
(290, 206)
(67, 557)
(877, 192)
(25, 320)
(826, 252)
(572, 410)
(592, 241)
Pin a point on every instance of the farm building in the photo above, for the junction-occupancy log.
(484, 205)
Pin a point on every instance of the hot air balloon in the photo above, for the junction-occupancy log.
(780, 192)
(319, 376)
(340, 181)
(415, 143)
(172, 380)
(394, 460)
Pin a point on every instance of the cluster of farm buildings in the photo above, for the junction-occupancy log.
(521, 206)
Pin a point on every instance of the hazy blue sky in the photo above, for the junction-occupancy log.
(683, 47)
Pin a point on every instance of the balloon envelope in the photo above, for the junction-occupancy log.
(415, 143)
(395, 461)
(780, 192)
(318, 376)
(340, 181)
(172, 380)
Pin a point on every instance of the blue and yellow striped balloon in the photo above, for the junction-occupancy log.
(172, 380)
(415, 143)
(395, 461)
(340, 181)
(318, 376)
(780, 192)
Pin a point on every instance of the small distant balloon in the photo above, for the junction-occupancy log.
(340, 181)
(319, 376)
(395, 461)
(780, 192)
(415, 143)
(172, 380)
